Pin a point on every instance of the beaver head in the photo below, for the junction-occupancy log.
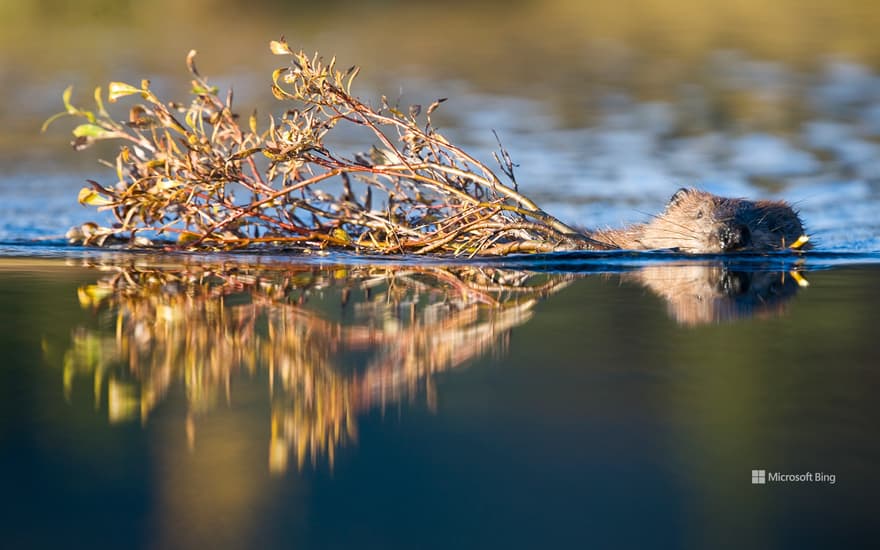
(698, 222)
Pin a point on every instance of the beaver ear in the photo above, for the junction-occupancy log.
(679, 195)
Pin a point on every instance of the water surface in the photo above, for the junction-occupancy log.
(151, 403)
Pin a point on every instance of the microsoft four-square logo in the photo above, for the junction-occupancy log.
(759, 477)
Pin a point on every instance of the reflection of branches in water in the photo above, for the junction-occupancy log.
(205, 324)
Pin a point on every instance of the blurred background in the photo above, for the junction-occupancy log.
(608, 106)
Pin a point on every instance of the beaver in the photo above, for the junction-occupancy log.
(697, 222)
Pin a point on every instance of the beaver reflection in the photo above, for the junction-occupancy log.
(698, 294)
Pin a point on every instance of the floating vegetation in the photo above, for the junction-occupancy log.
(193, 177)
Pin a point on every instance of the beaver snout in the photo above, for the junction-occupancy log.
(734, 237)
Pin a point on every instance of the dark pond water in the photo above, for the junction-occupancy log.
(242, 402)
(606, 401)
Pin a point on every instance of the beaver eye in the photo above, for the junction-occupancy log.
(699, 214)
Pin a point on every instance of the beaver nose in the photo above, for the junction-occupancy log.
(734, 237)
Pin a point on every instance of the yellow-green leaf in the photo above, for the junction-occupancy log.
(191, 119)
(52, 119)
(199, 89)
(187, 237)
(65, 97)
(120, 89)
(101, 110)
(252, 122)
(93, 295)
(164, 184)
(89, 196)
(91, 131)
(341, 235)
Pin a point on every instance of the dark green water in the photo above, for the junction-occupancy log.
(158, 406)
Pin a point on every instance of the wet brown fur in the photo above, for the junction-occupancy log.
(698, 222)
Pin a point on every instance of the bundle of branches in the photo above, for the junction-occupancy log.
(194, 173)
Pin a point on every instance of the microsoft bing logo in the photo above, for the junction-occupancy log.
(759, 477)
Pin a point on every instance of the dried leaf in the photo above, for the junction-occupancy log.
(280, 94)
(137, 116)
(191, 62)
(81, 143)
(244, 154)
(279, 47)
(354, 72)
(164, 185)
(436, 104)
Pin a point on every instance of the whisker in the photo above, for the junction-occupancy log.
(670, 222)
